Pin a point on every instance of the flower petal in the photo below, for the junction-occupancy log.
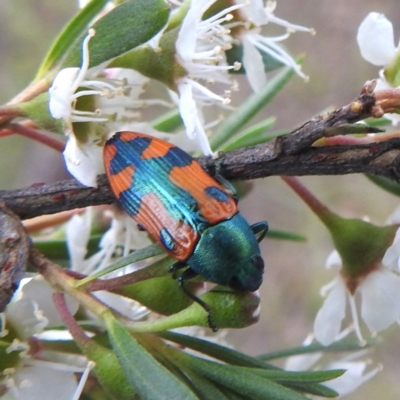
(21, 315)
(392, 256)
(84, 161)
(329, 318)
(61, 91)
(393, 118)
(380, 305)
(352, 378)
(253, 65)
(186, 42)
(126, 307)
(77, 233)
(36, 382)
(334, 261)
(394, 218)
(302, 362)
(376, 39)
(187, 107)
(254, 11)
(40, 293)
(191, 115)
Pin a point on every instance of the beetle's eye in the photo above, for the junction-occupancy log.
(258, 262)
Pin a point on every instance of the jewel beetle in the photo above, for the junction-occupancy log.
(190, 214)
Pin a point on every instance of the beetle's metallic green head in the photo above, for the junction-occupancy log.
(228, 254)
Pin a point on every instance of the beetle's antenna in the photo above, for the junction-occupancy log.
(261, 229)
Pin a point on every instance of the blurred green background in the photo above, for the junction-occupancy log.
(295, 271)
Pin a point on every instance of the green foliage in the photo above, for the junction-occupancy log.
(138, 255)
(129, 25)
(151, 380)
(109, 371)
(253, 105)
(144, 359)
(78, 26)
(385, 184)
(236, 54)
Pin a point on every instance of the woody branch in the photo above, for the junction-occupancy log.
(294, 154)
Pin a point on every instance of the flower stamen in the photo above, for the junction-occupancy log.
(354, 316)
(83, 380)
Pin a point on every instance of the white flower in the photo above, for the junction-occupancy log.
(77, 232)
(36, 375)
(303, 362)
(40, 293)
(254, 43)
(113, 96)
(350, 381)
(32, 308)
(37, 382)
(63, 91)
(127, 307)
(25, 318)
(375, 39)
(391, 259)
(84, 161)
(355, 374)
(394, 217)
(119, 240)
(200, 50)
(379, 291)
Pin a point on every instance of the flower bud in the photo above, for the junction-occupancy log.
(231, 309)
(361, 245)
(37, 110)
(162, 295)
(228, 309)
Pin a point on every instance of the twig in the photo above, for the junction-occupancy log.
(14, 249)
(289, 155)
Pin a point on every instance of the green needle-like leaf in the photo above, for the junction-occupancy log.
(56, 249)
(150, 379)
(315, 389)
(285, 235)
(385, 184)
(127, 26)
(302, 381)
(217, 351)
(243, 381)
(377, 121)
(250, 108)
(254, 135)
(75, 28)
(204, 387)
(235, 54)
(297, 376)
(234, 357)
(341, 346)
(149, 251)
(168, 122)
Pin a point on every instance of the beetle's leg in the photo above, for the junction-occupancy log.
(176, 267)
(141, 228)
(260, 228)
(187, 275)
